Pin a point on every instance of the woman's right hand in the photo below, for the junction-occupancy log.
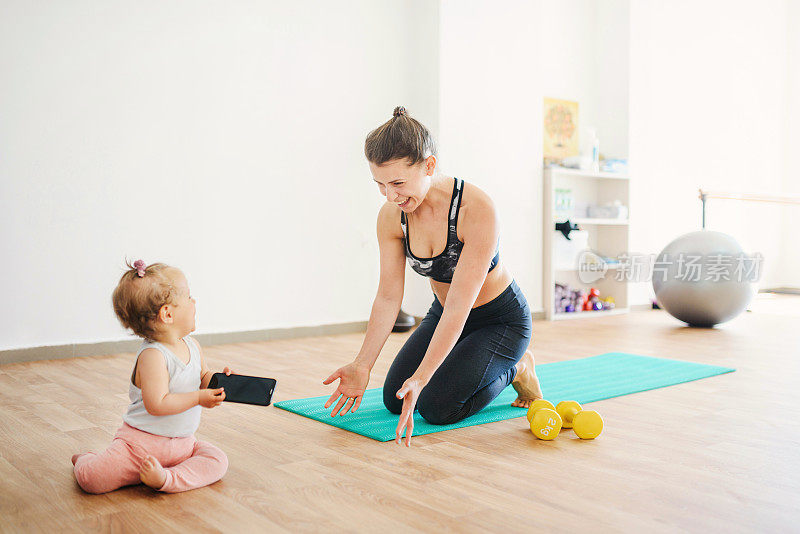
(353, 382)
(209, 398)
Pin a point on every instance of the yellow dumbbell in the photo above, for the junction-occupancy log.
(546, 424)
(587, 423)
(567, 410)
(538, 404)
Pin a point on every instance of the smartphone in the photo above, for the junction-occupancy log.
(244, 389)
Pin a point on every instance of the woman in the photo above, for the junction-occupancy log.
(473, 341)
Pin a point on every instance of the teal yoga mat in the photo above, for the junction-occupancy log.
(584, 380)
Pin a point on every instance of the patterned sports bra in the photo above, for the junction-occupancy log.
(442, 267)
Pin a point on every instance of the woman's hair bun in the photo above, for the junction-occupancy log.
(401, 137)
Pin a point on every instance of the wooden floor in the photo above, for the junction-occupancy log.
(716, 455)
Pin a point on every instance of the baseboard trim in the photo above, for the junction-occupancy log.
(73, 350)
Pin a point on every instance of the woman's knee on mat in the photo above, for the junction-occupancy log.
(440, 415)
(438, 408)
(397, 375)
(390, 400)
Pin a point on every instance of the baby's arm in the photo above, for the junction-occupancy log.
(154, 379)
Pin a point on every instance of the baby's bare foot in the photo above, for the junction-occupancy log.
(75, 458)
(526, 383)
(152, 474)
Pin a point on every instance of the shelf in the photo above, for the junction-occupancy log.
(598, 222)
(588, 174)
(611, 267)
(588, 314)
(611, 235)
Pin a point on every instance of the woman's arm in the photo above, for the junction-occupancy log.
(480, 232)
(354, 377)
(389, 298)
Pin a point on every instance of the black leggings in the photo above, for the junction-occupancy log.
(478, 368)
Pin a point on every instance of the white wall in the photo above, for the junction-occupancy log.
(225, 138)
(789, 274)
(707, 105)
(610, 55)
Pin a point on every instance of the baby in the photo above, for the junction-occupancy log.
(156, 443)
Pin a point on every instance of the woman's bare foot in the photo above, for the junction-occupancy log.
(526, 383)
(152, 474)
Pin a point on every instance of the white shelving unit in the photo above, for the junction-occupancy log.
(606, 237)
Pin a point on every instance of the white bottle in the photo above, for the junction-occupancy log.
(590, 149)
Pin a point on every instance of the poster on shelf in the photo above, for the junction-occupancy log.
(560, 129)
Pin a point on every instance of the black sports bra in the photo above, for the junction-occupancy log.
(442, 267)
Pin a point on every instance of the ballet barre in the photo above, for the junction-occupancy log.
(705, 195)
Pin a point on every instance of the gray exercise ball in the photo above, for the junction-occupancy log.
(709, 294)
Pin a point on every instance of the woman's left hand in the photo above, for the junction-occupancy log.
(409, 392)
(228, 371)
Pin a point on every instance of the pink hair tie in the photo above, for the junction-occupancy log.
(140, 266)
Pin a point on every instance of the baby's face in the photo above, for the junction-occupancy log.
(184, 305)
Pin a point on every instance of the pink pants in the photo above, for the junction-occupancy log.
(189, 463)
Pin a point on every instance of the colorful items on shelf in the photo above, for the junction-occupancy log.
(592, 300)
(569, 300)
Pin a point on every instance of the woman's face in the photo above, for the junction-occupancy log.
(402, 184)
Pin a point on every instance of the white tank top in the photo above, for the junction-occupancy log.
(183, 378)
